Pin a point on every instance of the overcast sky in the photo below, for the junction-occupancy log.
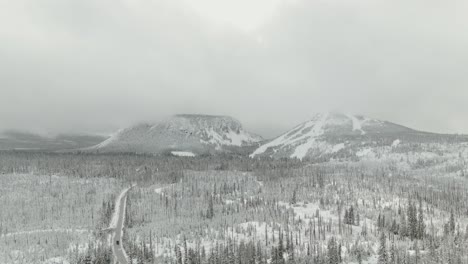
(98, 65)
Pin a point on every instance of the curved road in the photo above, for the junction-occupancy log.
(117, 248)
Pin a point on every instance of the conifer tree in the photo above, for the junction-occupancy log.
(394, 227)
(280, 251)
(452, 223)
(359, 257)
(178, 254)
(332, 251)
(412, 221)
(402, 231)
(291, 257)
(383, 258)
(421, 224)
(392, 258)
(274, 255)
(185, 251)
(294, 197)
(210, 210)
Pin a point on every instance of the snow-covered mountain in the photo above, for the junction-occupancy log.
(340, 136)
(183, 135)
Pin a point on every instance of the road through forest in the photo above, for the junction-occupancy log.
(117, 248)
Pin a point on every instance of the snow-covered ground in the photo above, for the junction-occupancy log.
(45, 219)
(183, 153)
(38, 231)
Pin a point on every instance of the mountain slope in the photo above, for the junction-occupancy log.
(197, 134)
(340, 136)
(16, 140)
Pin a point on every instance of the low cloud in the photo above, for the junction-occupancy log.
(95, 66)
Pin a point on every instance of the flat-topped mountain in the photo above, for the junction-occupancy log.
(185, 135)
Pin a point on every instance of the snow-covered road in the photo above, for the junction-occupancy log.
(117, 224)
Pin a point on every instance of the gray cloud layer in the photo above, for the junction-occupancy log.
(94, 66)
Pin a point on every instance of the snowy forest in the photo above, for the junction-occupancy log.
(56, 208)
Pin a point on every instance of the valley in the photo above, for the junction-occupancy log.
(336, 189)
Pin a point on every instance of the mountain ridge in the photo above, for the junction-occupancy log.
(326, 135)
(21, 140)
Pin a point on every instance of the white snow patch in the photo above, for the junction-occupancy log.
(228, 201)
(316, 130)
(57, 260)
(301, 150)
(238, 139)
(305, 133)
(60, 230)
(161, 189)
(80, 248)
(357, 124)
(396, 143)
(285, 139)
(364, 152)
(230, 138)
(276, 142)
(183, 153)
(338, 147)
(259, 183)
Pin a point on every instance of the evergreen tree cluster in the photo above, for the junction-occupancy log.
(350, 217)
